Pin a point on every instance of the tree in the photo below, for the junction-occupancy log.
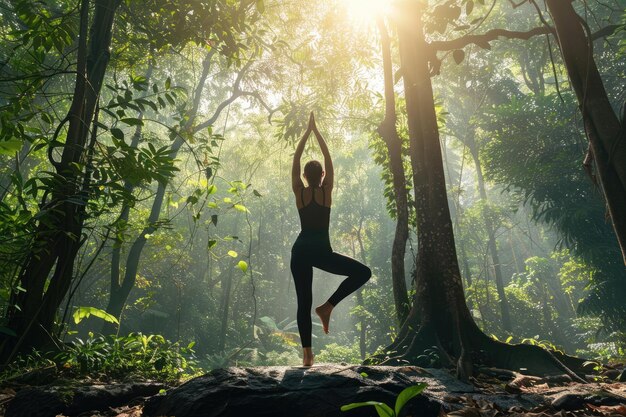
(389, 133)
(59, 234)
(605, 131)
(439, 316)
(48, 270)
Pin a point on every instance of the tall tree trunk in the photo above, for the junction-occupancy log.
(491, 240)
(227, 283)
(457, 213)
(387, 130)
(122, 223)
(120, 290)
(359, 295)
(605, 132)
(59, 234)
(439, 312)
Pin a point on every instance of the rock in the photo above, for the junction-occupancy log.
(622, 376)
(320, 391)
(569, 402)
(72, 400)
(291, 391)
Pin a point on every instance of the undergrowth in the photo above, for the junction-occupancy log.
(132, 357)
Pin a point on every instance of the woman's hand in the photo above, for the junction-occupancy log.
(311, 122)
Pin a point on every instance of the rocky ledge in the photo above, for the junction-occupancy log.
(318, 391)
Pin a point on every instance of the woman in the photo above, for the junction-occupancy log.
(312, 247)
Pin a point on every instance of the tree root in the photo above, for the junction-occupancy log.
(473, 346)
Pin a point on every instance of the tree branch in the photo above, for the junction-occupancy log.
(492, 35)
(236, 94)
(484, 39)
(605, 31)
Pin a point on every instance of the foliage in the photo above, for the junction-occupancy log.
(383, 409)
(544, 170)
(216, 255)
(85, 312)
(336, 353)
(135, 356)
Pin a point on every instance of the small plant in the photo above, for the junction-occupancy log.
(429, 359)
(383, 409)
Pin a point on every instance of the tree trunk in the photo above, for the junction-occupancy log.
(121, 290)
(439, 316)
(115, 295)
(491, 241)
(227, 283)
(387, 130)
(59, 234)
(359, 295)
(605, 133)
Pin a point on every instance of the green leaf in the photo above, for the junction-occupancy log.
(383, 409)
(260, 6)
(117, 133)
(243, 265)
(168, 83)
(7, 331)
(9, 147)
(212, 243)
(132, 121)
(232, 253)
(241, 207)
(407, 394)
(84, 312)
(269, 322)
(214, 219)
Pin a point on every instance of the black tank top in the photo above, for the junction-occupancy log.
(314, 216)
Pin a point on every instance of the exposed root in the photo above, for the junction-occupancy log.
(533, 360)
(473, 346)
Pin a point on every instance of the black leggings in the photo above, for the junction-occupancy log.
(303, 258)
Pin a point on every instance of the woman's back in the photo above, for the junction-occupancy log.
(314, 208)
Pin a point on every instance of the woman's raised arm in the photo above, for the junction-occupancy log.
(329, 176)
(296, 180)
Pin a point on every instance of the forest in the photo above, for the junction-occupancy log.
(147, 214)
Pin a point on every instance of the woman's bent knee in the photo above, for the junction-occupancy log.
(366, 274)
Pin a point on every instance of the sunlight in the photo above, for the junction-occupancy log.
(365, 11)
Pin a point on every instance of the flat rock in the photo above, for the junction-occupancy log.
(318, 391)
(71, 400)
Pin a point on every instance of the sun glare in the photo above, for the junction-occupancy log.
(365, 11)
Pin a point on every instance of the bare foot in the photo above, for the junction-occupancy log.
(323, 312)
(307, 357)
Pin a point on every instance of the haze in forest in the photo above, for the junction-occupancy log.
(145, 177)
